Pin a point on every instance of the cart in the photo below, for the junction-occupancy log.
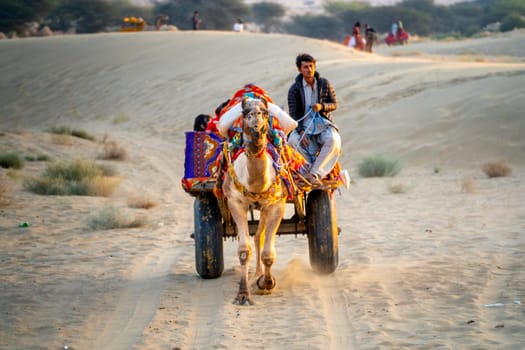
(314, 213)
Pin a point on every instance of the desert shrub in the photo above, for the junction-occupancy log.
(66, 130)
(82, 134)
(378, 166)
(111, 217)
(43, 158)
(77, 178)
(37, 158)
(103, 186)
(13, 174)
(74, 171)
(396, 188)
(468, 185)
(62, 140)
(120, 119)
(113, 151)
(496, 168)
(60, 130)
(141, 202)
(11, 160)
(4, 192)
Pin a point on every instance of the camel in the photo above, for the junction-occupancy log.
(252, 182)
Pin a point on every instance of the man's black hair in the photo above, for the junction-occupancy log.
(303, 57)
(201, 122)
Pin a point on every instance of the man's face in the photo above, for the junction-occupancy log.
(307, 69)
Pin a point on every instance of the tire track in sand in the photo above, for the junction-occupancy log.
(139, 299)
(137, 303)
(335, 311)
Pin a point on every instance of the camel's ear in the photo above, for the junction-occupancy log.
(244, 99)
(264, 102)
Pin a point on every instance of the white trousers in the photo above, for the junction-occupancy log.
(326, 145)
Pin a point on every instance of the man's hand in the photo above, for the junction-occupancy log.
(305, 140)
(317, 107)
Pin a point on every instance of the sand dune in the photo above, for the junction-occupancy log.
(418, 270)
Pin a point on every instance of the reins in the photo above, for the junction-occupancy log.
(314, 117)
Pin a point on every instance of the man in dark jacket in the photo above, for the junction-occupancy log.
(371, 37)
(311, 101)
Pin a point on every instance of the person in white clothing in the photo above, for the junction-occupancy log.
(238, 26)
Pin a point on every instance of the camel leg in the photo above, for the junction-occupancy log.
(244, 252)
(243, 295)
(271, 217)
(258, 240)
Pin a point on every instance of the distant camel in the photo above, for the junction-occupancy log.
(252, 182)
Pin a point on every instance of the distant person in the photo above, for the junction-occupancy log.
(357, 41)
(394, 29)
(370, 36)
(196, 20)
(201, 122)
(161, 21)
(238, 26)
(212, 125)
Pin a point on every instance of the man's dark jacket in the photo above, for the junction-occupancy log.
(326, 97)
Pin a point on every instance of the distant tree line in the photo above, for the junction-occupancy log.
(422, 17)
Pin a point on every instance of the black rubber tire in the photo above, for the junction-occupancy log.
(209, 257)
(323, 242)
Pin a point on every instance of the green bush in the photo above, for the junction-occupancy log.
(38, 158)
(110, 218)
(74, 171)
(66, 130)
(378, 166)
(55, 187)
(78, 178)
(11, 160)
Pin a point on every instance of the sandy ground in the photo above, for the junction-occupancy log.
(420, 269)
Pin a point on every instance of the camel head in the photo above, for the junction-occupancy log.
(255, 123)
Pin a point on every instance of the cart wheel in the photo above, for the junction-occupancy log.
(209, 259)
(321, 222)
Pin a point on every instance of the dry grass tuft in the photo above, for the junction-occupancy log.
(78, 178)
(4, 192)
(496, 168)
(13, 174)
(141, 202)
(378, 166)
(61, 139)
(122, 118)
(112, 218)
(37, 158)
(112, 150)
(103, 186)
(396, 188)
(468, 185)
(66, 130)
